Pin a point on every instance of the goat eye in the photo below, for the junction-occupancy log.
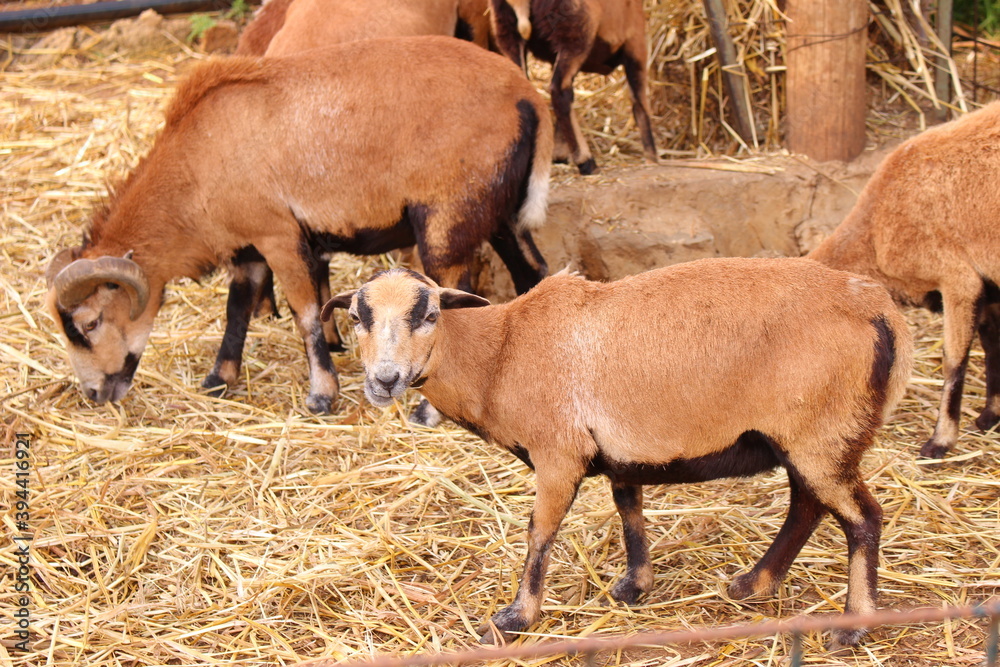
(354, 317)
(431, 318)
(90, 326)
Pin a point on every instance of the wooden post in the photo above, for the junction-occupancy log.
(733, 74)
(942, 74)
(825, 86)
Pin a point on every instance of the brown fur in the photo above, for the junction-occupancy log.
(266, 23)
(476, 15)
(679, 374)
(579, 35)
(320, 150)
(926, 223)
(282, 27)
(311, 24)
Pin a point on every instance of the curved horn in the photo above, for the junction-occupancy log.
(63, 258)
(81, 278)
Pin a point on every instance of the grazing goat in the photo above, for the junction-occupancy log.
(281, 28)
(715, 368)
(320, 161)
(579, 35)
(924, 226)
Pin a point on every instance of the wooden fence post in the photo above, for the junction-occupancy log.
(942, 75)
(826, 43)
(733, 73)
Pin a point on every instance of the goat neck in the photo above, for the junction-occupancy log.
(464, 362)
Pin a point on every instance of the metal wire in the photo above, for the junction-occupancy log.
(796, 649)
(797, 627)
(993, 639)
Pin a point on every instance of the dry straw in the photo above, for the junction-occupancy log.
(177, 529)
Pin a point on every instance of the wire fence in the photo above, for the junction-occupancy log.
(589, 648)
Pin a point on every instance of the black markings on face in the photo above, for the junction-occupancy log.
(75, 337)
(127, 371)
(419, 311)
(365, 311)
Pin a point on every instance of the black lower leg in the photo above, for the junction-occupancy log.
(321, 279)
(521, 256)
(989, 336)
(267, 304)
(638, 575)
(804, 514)
(239, 307)
(636, 75)
(863, 536)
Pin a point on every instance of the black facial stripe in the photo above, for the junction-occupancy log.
(74, 335)
(419, 311)
(365, 311)
(127, 371)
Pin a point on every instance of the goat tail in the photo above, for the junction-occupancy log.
(536, 202)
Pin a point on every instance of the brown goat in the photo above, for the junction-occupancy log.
(320, 161)
(924, 227)
(281, 28)
(715, 368)
(579, 35)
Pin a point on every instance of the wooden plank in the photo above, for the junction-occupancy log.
(825, 54)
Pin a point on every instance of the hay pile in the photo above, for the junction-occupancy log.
(180, 529)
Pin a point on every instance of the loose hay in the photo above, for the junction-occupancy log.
(180, 529)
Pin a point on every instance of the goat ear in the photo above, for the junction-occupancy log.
(453, 298)
(342, 300)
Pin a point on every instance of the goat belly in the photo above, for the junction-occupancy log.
(752, 453)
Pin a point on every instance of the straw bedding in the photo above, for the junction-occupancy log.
(177, 529)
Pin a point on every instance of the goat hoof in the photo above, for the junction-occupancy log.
(987, 420)
(933, 450)
(504, 622)
(588, 167)
(746, 586)
(626, 592)
(425, 415)
(846, 639)
(319, 404)
(215, 385)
